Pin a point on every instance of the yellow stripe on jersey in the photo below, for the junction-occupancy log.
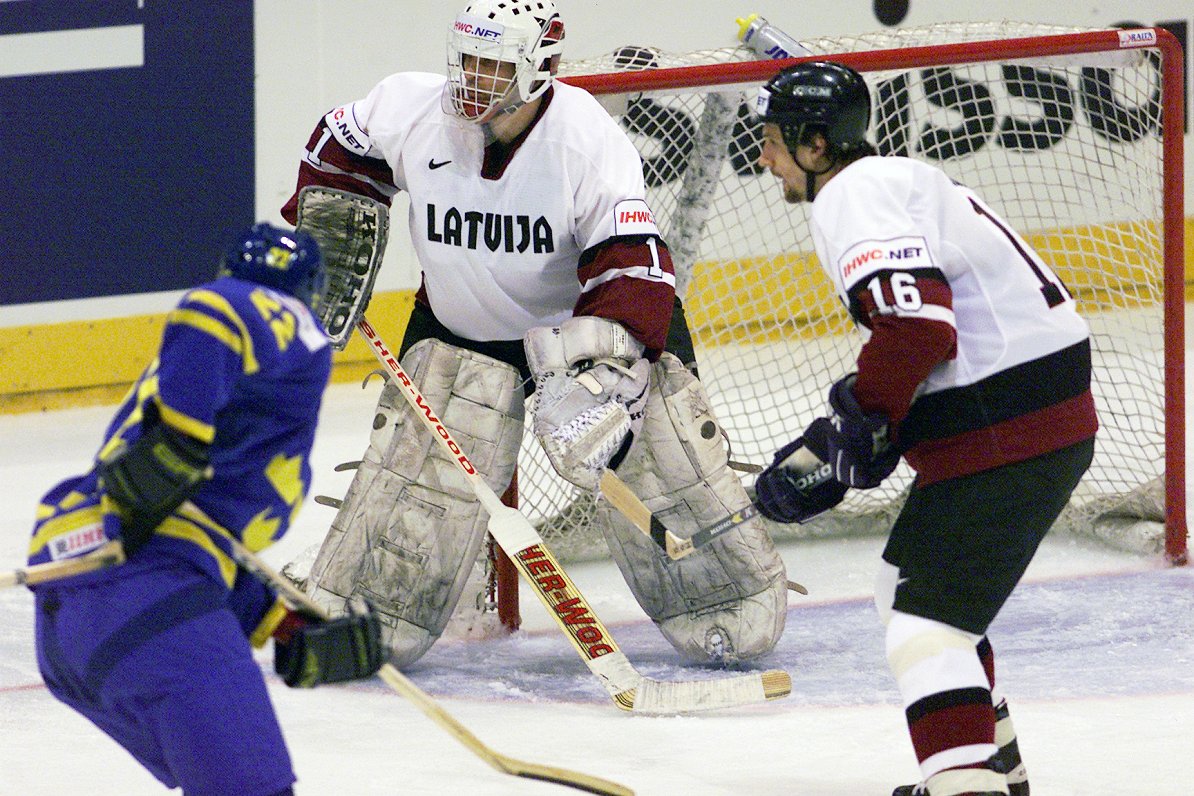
(259, 532)
(145, 387)
(215, 301)
(66, 523)
(192, 531)
(201, 431)
(209, 325)
(46, 510)
(285, 475)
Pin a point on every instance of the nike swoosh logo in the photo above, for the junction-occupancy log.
(431, 164)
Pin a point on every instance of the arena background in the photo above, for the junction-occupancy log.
(138, 136)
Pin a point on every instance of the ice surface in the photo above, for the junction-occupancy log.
(1095, 651)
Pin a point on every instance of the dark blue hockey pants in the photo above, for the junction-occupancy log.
(156, 660)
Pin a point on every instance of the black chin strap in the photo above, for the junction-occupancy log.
(810, 178)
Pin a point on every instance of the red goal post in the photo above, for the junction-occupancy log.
(1075, 136)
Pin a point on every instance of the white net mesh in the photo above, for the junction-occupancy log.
(1067, 149)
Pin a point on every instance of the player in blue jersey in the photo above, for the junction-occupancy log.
(211, 444)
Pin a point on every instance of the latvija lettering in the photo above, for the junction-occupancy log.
(473, 229)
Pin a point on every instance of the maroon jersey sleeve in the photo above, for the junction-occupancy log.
(630, 280)
(328, 164)
(902, 349)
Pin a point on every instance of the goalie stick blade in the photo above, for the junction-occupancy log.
(597, 648)
(655, 697)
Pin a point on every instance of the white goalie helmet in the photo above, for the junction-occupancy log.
(527, 35)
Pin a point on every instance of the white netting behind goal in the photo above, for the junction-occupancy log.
(1068, 149)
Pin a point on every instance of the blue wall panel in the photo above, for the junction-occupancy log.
(126, 180)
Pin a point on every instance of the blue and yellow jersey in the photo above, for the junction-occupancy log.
(243, 368)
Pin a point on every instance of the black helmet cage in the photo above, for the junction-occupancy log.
(818, 95)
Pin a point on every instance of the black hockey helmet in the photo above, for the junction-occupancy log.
(821, 94)
(286, 260)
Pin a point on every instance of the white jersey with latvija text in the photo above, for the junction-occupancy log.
(894, 227)
(500, 255)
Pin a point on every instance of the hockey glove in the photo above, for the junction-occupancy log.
(590, 395)
(853, 442)
(787, 495)
(152, 477)
(310, 650)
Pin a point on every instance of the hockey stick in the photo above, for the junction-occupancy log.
(108, 555)
(564, 602)
(628, 504)
(632, 508)
(430, 708)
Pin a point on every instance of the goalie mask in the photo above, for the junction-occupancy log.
(501, 55)
(819, 95)
(288, 261)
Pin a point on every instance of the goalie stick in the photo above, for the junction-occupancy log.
(564, 602)
(108, 555)
(430, 708)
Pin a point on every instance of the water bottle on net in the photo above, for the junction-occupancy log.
(768, 40)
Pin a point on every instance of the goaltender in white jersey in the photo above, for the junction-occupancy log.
(498, 238)
(543, 271)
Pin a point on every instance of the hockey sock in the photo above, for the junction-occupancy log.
(1007, 758)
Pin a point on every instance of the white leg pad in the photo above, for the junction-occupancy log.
(727, 601)
(410, 527)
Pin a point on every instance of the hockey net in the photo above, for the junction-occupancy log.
(1074, 136)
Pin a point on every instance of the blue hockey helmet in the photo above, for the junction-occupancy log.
(820, 95)
(286, 260)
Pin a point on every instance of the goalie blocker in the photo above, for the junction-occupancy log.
(352, 231)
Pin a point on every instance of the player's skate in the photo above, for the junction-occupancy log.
(1008, 754)
(920, 789)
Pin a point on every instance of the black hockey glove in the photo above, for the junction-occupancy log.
(311, 651)
(152, 477)
(853, 442)
(786, 495)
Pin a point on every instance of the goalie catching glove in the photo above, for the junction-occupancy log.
(590, 391)
(352, 231)
(310, 650)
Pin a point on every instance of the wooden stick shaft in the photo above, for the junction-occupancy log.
(628, 504)
(401, 684)
(108, 555)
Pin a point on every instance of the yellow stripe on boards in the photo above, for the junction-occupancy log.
(93, 363)
(749, 300)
